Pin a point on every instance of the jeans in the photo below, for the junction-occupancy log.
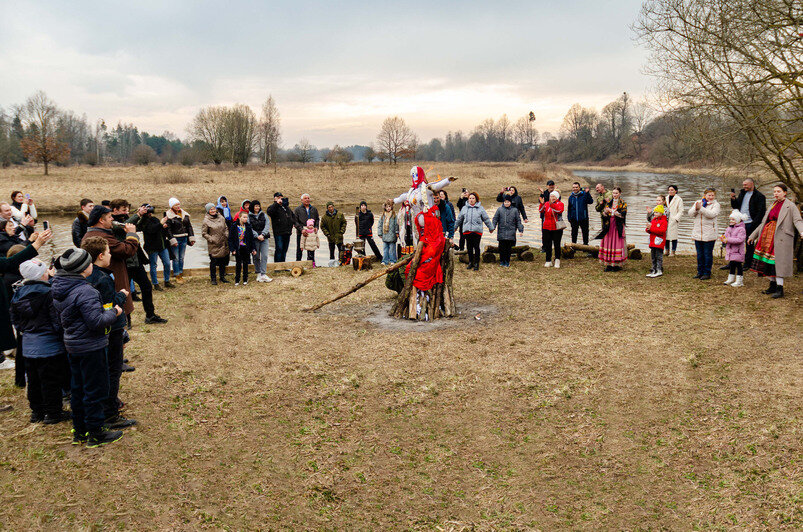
(332, 250)
(282, 243)
(657, 257)
(671, 245)
(44, 383)
(552, 238)
(261, 258)
(90, 389)
(154, 257)
(705, 256)
(114, 361)
(473, 245)
(505, 247)
(389, 253)
(180, 249)
(581, 225)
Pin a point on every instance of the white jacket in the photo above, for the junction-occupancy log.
(704, 227)
(24, 209)
(675, 214)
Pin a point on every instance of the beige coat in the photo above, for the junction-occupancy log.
(310, 241)
(675, 214)
(704, 225)
(216, 233)
(788, 219)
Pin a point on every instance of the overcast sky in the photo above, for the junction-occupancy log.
(336, 70)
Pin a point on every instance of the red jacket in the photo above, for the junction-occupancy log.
(657, 231)
(551, 212)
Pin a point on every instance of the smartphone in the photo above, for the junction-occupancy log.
(733, 190)
(27, 196)
(46, 225)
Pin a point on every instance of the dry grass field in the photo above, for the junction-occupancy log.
(64, 187)
(559, 399)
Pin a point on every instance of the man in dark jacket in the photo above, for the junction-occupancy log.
(283, 220)
(333, 226)
(79, 225)
(753, 205)
(304, 212)
(365, 228)
(84, 321)
(155, 242)
(579, 200)
(35, 317)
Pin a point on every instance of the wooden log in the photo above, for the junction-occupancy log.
(359, 285)
(412, 303)
(488, 258)
(404, 295)
(634, 254)
(463, 259)
(363, 263)
(271, 266)
(567, 252)
(297, 271)
(515, 249)
(527, 256)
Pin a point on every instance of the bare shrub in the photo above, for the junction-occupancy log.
(172, 177)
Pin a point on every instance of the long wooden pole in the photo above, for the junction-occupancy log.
(359, 285)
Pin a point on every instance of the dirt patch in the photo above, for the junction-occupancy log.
(468, 315)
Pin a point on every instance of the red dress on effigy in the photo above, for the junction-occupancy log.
(429, 270)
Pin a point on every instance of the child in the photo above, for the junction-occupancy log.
(34, 316)
(389, 232)
(310, 240)
(102, 280)
(660, 201)
(507, 220)
(657, 230)
(84, 321)
(241, 245)
(734, 241)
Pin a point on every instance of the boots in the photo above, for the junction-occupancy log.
(778, 293)
(772, 288)
(739, 281)
(731, 279)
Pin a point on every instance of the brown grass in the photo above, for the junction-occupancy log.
(578, 400)
(61, 191)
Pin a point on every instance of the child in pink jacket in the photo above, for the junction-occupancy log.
(734, 240)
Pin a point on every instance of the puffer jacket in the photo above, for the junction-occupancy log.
(33, 314)
(735, 246)
(178, 225)
(657, 231)
(472, 218)
(81, 313)
(334, 226)
(215, 231)
(704, 223)
(507, 221)
(259, 224)
(281, 217)
(7, 242)
(310, 241)
(365, 224)
(102, 280)
(392, 233)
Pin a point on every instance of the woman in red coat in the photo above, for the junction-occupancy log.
(552, 226)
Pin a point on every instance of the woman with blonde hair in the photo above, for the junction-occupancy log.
(388, 232)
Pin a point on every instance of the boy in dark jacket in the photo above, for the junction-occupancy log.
(84, 320)
(34, 316)
(365, 228)
(241, 245)
(102, 280)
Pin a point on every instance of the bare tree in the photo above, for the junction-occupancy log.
(304, 150)
(395, 138)
(743, 58)
(370, 154)
(524, 132)
(241, 133)
(209, 127)
(269, 131)
(40, 142)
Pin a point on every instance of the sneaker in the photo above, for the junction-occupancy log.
(547, 265)
(52, 419)
(126, 368)
(658, 273)
(214, 282)
(155, 319)
(245, 282)
(102, 436)
(168, 284)
(158, 288)
(651, 274)
(268, 279)
(705, 277)
(557, 263)
(697, 276)
(79, 438)
(135, 297)
(119, 422)
(236, 283)
(37, 418)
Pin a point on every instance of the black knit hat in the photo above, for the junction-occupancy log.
(278, 195)
(363, 202)
(75, 260)
(96, 213)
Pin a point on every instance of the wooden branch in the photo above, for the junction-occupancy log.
(401, 299)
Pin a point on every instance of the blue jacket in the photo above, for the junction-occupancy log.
(33, 314)
(447, 218)
(472, 219)
(103, 281)
(578, 210)
(81, 313)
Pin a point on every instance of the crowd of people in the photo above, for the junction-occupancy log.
(69, 321)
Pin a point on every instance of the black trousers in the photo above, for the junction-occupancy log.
(473, 245)
(504, 250)
(19, 364)
(140, 277)
(736, 268)
(750, 248)
(299, 251)
(45, 377)
(242, 259)
(581, 225)
(370, 241)
(552, 239)
(90, 389)
(114, 361)
(218, 263)
(332, 250)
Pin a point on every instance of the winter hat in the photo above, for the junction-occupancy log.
(658, 209)
(96, 213)
(363, 202)
(172, 202)
(330, 203)
(278, 195)
(209, 206)
(32, 270)
(736, 215)
(75, 260)
(554, 193)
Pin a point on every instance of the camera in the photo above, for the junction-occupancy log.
(148, 208)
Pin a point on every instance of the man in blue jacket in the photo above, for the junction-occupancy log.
(579, 200)
(84, 322)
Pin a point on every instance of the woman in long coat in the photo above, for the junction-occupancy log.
(774, 251)
(675, 205)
